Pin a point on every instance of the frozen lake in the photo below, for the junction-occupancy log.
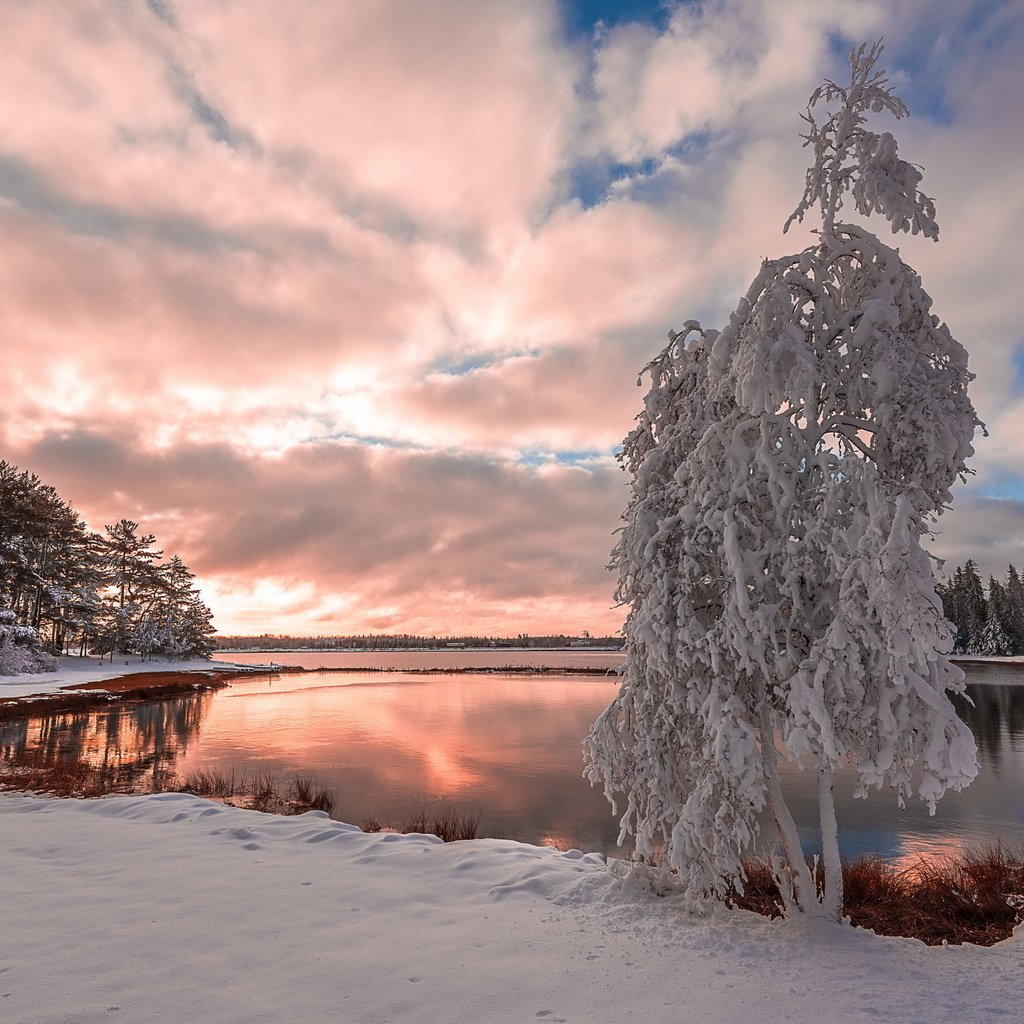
(505, 745)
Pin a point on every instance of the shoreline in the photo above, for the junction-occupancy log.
(133, 687)
(165, 684)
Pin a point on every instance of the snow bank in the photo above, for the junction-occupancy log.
(74, 672)
(168, 908)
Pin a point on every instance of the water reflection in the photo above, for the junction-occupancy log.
(504, 745)
(133, 746)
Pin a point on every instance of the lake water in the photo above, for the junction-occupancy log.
(504, 745)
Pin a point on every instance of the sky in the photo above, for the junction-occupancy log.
(346, 302)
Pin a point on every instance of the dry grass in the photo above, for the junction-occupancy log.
(210, 782)
(32, 773)
(263, 794)
(447, 823)
(307, 792)
(262, 791)
(975, 896)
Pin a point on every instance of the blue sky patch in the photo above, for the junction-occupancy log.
(591, 181)
(459, 364)
(585, 458)
(580, 16)
(1000, 483)
(1017, 388)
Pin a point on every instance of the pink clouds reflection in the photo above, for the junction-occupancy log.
(320, 298)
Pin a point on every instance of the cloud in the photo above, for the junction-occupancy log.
(348, 308)
(362, 529)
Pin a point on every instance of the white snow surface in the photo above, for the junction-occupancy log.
(169, 908)
(74, 672)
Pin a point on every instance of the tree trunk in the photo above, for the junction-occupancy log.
(833, 897)
(803, 884)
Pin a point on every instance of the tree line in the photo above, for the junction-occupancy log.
(989, 623)
(67, 589)
(409, 641)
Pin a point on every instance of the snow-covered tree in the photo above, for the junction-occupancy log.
(133, 574)
(993, 639)
(785, 470)
(184, 621)
(20, 650)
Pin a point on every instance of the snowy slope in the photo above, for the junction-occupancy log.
(168, 908)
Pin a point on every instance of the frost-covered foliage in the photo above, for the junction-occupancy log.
(20, 650)
(784, 472)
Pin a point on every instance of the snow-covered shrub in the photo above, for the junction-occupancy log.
(19, 648)
(784, 472)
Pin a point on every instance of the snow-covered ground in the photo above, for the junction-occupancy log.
(168, 908)
(80, 671)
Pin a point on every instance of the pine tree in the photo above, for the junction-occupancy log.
(132, 575)
(784, 472)
(1014, 614)
(973, 609)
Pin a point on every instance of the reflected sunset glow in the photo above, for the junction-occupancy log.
(390, 744)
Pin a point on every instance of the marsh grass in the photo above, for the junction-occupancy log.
(447, 823)
(210, 782)
(36, 774)
(261, 791)
(308, 792)
(973, 896)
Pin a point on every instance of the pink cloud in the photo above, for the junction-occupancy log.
(361, 530)
(313, 299)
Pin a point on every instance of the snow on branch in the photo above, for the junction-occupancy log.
(849, 158)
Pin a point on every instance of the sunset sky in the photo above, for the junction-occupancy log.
(345, 301)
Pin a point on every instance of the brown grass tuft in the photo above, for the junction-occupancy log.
(210, 782)
(447, 823)
(974, 896)
(305, 791)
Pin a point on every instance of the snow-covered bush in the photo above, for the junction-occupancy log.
(785, 470)
(20, 650)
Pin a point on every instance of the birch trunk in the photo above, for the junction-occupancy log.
(832, 902)
(803, 884)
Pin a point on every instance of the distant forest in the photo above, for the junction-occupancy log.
(408, 641)
(988, 623)
(66, 589)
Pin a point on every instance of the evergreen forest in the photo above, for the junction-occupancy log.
(989, 623)
(65, 589)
